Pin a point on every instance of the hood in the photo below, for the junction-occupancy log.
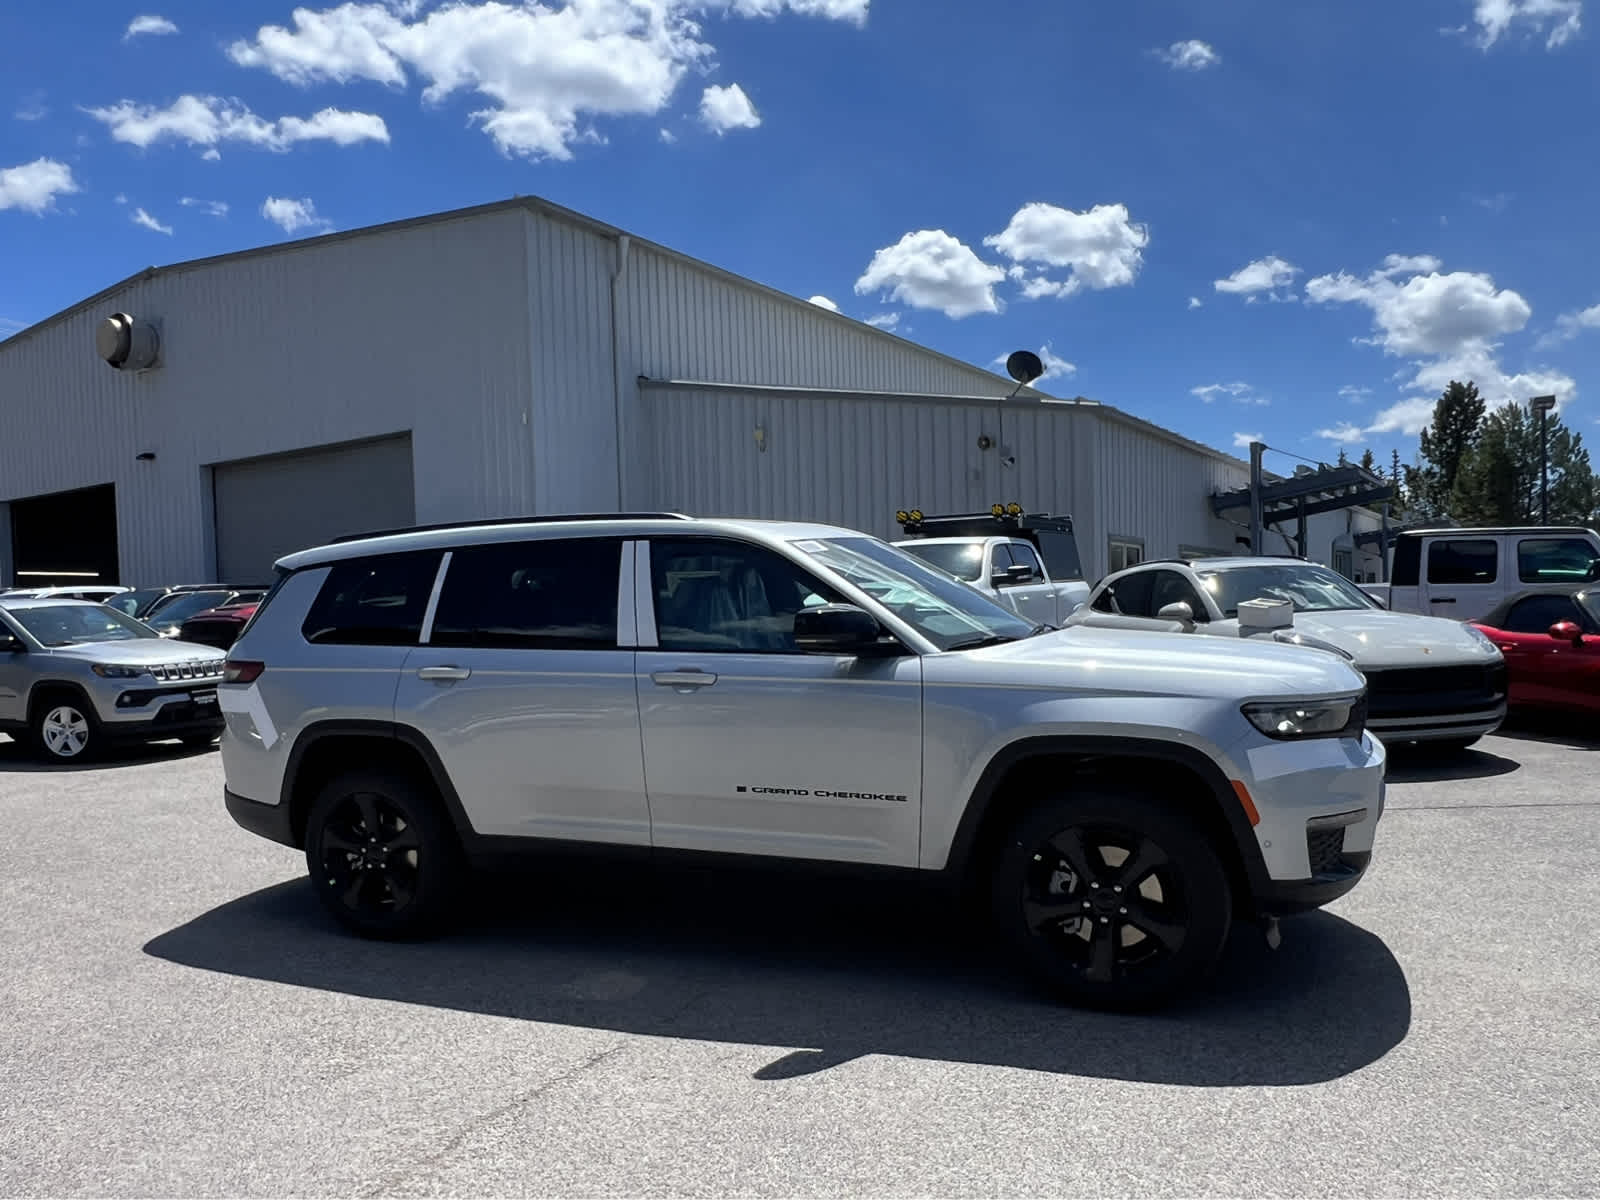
(1154, 664)
(140, 652)
(1377, 638)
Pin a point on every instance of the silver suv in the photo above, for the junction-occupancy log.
(75, 676)
(405, 706)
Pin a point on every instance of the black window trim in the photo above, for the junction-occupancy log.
(1524, 541)
(1427, 565)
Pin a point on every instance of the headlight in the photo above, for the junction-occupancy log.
(1483, 639)
(112, 671)
(1322, 718)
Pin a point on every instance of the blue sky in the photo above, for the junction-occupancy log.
(1232, 217)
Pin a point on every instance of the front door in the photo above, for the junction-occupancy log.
(1462, 577)
(527, 695)
(1034, 600)
(14, 679)
(752, 747)
(1546, 671)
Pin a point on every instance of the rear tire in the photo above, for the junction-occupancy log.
(382, 856)
(63, 729)
(1112, 900)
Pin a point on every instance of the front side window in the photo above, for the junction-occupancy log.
(964, 560)
(1128, 596)
(1170, 587)
(537, 595)
(76, 624)
(949, 614)
(1308, 587)
(731, 597)
(376, 601)
(1537, 613)
(1022, 555)
(1555, 560)
(1463, 560)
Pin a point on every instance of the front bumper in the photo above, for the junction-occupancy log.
(1439, 726)
(152, 713)
(1319, 802)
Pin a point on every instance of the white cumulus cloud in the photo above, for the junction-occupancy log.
(209, 121)
(292, 215)
(1241, 441)
(1264, 275)
(1559, 21)
(1354, 394)
(145, 221)
(1242, 392)
(885, 320)
(1196, 302)
(33, 187)
(1344, 432)
(824, 302)
(725, 108)
(1570, 325)
(1191, 55)
(1100, 248)
(931, 269)
(149, 26)
(544, 73)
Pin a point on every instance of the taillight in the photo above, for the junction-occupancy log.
(239, 670)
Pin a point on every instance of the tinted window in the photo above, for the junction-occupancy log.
(964, 560)
(1537, 613)
(1129, 596)
(1060, 551)
(180, 606)
(729, 596)
(1407, 562)
(373, 601)
(1023, 556)
(1463, 561)
(540, 595)
(1554, 560)
(1172, 588)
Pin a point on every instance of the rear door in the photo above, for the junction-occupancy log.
(1462, 577)
(524, 686)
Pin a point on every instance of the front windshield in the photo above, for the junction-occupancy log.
(1308, 587)
(184, 605)
(77, 624)
(947, 612)
(964, 560)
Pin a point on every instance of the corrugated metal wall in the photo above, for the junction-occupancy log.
(421, 329)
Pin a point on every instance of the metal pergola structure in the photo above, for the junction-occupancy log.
(1300, 496)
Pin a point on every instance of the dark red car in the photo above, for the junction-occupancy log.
(219, 627)
(1551, 642)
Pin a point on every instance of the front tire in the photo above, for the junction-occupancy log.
(382, 857)
(64, 730)
(1113, 900)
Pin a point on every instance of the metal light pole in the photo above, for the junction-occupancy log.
(1256, 531)
(1542, 405)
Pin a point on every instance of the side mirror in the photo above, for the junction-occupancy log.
(10, 644)
(1179, 611)
(836, 629)
(1566, 631)
(1013, 576)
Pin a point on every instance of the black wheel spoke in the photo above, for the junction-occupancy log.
(1102, 953)
(1168, 932)
(1042, 913)
(400, 887)
(369, 813)
(1069, 845)
(340, 843)
(1146, 857)
(401, 840)
(350, 897)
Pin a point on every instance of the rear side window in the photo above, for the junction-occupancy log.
(1555, 560)
(536, 595)
(1407, 562)
(1463, 560)
(376, 601)
(1128, 596)
(1060, 551)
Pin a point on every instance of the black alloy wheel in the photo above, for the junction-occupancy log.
(1116, 901)
(381, 856)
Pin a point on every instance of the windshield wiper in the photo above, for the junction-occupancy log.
(978, 643)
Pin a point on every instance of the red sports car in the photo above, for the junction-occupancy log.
(219, 627)
(1551, 642)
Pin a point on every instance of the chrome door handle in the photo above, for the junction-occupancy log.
(692, 678)
(444, 673)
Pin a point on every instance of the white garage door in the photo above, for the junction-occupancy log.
(269, 507)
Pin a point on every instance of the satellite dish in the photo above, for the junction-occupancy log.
(1024, 366)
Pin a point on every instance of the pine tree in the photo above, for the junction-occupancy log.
(1448, 439)
(1498, 482)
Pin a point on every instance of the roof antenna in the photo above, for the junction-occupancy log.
(1023, 366)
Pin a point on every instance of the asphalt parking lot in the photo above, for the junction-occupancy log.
(177, 1018)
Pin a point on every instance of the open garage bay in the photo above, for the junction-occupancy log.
(180, 1019)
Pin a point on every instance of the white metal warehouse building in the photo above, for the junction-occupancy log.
(520, 358)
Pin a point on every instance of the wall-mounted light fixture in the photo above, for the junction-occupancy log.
(147, 456)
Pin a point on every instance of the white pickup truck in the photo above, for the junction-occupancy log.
(1464, 573)
(1028, 563)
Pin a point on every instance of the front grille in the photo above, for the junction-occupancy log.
(194, 669)
(1325, 848)
(1427, 691)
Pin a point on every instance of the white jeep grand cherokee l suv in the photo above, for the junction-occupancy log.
(404, 706)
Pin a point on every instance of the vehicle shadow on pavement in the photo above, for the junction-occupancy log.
(1575, 732)
(16, 759)
(839, 969)
(1418, 764)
